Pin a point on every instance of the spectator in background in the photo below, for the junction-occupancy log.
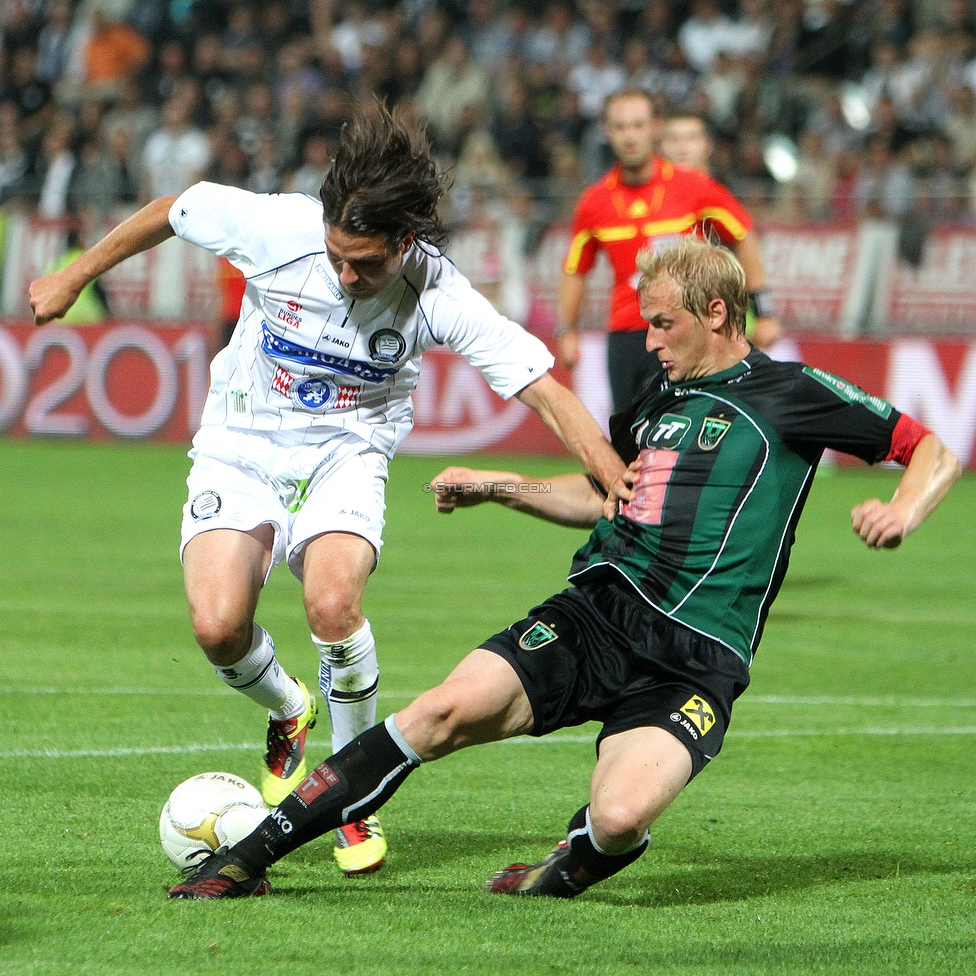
(595, 78)
(723, 87)
(407, 72)
(207, 66)
(685, 140)
(239, 38)
(941, 185)
(837, 135)
(885, 186)
(229, 164)
(135, 119)
(807, 195)
(31, 96)
(176, 155)
(315, 158)
(518, 135)
(492, 35)
(264, 169)
(53, 42)
(559, 42)
(453, 83)
(656, 28)
(114, 53)
(170, 70)
(259, 117)
(53, 168)
(638, 68)
(959, 126)
(102, 179)
(753, 32)
(13, 158)
(704, 34)
(354, 31)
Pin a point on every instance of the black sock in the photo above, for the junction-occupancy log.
(583, 864)
(347, 787)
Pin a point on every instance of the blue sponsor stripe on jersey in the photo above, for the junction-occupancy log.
(281, 348)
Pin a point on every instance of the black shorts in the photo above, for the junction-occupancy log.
(598, 652)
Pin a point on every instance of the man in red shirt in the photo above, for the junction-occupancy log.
(646, 200)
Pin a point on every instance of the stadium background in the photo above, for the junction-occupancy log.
(848, 128)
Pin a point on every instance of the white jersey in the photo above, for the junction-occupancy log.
(305, 356)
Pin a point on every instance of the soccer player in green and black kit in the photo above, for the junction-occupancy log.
(655, 635)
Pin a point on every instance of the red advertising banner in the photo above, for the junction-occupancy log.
(140, 380)
(120, 379)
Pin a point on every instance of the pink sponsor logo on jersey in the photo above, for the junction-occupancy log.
(650, 486)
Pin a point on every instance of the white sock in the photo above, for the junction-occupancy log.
(348, 676)
(259, 676)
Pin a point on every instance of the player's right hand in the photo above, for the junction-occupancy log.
(51, 296)
(568, 349)
(621, 490)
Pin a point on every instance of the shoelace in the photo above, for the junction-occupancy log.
(279, 745)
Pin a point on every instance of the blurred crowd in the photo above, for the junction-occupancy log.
(818, 109)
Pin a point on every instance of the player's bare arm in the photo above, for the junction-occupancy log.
(569, 499)
(52, 295)
(931, 472)
(572, 292)
(767, 328)
(572, 423)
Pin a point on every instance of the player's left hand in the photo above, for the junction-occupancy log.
(464, 487)
(878, 524)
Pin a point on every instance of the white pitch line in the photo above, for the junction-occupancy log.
(881, 702)
(787, 700)
(554, 739)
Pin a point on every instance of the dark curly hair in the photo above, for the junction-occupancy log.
(383, 180)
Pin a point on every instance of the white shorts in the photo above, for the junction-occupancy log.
(240, 480)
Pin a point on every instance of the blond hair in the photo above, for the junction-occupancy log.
(702, 272)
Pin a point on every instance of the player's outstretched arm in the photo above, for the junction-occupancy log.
(52, 295)
(568, 499)
(931, 472)
(572, 292)
(572, 423)
(766, 329)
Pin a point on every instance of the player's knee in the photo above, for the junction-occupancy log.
(617, 823)
(434, 723)
(333, 616)
(224, 638)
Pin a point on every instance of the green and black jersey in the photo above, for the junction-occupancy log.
(726, 464)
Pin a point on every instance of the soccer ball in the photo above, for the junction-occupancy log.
(206, 812)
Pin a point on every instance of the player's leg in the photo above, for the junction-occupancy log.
(637, 775)
(232, 536)
(336, 566)
(336, 537)
(481, 701)
(224, 571)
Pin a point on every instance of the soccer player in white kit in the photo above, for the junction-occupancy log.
(307, 404)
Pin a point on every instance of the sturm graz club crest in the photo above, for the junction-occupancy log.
(315, 393)
(205, 505)
(537, 635)
(712, 431)
(387, 346)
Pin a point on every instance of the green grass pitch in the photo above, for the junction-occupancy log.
(835, 833)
